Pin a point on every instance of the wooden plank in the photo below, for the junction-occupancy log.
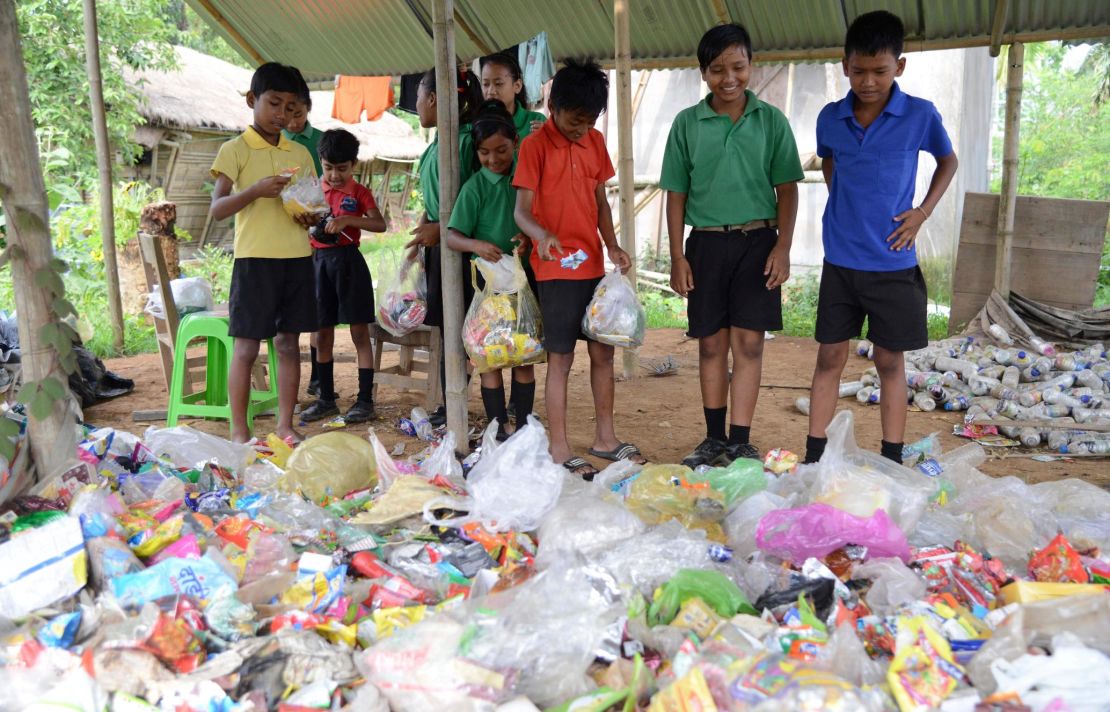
(1066, 225)
(1065, 279)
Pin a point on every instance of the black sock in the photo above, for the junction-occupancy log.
(326, 373)
(715, 423)
(523, 398)
(891, 451)
(366, 385)
(739, 434)
(312, 373)
(815, 448)
(494, 401)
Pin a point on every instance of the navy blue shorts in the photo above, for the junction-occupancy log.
(272, 296)
(895, 304)
(730, 289)
(344, 289)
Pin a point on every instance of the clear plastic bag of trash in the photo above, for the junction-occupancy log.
(191, 448)
(665, 492)
(503, 327)
(893, 584)
(860, 482)
(646, 561)
(331, 465)
(190, 294)
(401, 293)
(615, 315)
(1005, 518)
(512, 488)
(583, 524)
(1082, 510)
(741, 522)
(304, 195)
(844, 656)
(816, 530)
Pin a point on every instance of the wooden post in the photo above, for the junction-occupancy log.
(104, 164)
(447, 121)
(1008, 196)
(626, 176)
(24, 197)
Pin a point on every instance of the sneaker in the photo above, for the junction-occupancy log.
(319, 410)
(736, 451)
(313, 389)
(438, 417)
(360, 412)
(707, 453)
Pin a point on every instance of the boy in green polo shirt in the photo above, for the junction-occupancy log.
(482, 224)
(273, 288)
(730, 170)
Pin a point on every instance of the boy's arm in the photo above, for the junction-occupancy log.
(616, 253)
(682, 277)
(547, 244)
(461, 243)
(777, 269)
(372, 221)
(906, 234)
(827, 170)
(225, 203)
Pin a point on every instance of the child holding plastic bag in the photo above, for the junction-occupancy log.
(482, 224)
(402, 294)
(615, 315)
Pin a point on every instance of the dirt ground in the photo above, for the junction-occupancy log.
(662, 415)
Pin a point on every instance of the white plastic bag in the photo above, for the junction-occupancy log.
(401, 293)
(187, 447)
(615, 315)
(582, 524)
(190, 294)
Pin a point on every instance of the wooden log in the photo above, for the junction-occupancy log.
(1014, 75)
(23, 194)
(625, 163)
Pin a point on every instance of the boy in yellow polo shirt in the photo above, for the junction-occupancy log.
(273, 288)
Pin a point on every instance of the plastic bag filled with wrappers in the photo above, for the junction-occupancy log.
(304, 195)
(615, 315)
(401, 294)
(503, 327)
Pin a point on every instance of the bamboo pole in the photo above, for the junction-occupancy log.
(104, 166)
(626, 175)
(29, 247)
(447, 121)
(1008, 194)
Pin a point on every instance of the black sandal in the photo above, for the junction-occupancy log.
(575, 465)
(623, 451)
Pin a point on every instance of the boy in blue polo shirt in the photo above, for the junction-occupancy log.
(869, 143)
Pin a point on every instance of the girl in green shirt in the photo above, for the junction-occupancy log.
(502, 80)
(482, 224)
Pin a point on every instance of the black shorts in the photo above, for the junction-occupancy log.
(895, 304)
(729, 285)
(344, 290)
(272, 296)
(563, 303)
(435, 285)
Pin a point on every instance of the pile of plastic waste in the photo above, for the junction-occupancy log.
(1041, 395)
(182, 572)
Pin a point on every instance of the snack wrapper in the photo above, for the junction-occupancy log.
(923, 673)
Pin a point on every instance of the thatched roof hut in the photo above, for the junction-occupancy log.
(194, 108)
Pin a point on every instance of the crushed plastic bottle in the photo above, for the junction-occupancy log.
(420, 423)
(1000, 335)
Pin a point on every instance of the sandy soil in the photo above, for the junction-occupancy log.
(661, 415)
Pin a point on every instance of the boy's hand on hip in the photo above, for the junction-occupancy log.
(550, 248)
(682, 277)
(270, 186)
(777, 269)
(426, 235)
(905, 235)
(488, 252)
(620, 258)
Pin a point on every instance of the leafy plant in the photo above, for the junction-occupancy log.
(664, 310)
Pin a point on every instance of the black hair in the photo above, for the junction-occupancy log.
(303, 93)
(503, 59)
(273, 76)
(491, 119)
(468, 87)
(873, 33)
(718, 39)
(338, 146)
(580, 85)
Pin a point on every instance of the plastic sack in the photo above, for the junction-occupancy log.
(331, 465)
(742, 478)
(401, 293)
(1073, 674)
(816, 530)
(190, 294)
(712, 587)
(190, 448)
(615, 315)
(512, 488)
(893, 584)
(664, 492)
(860, 482)
(502, 328)
(304, 195)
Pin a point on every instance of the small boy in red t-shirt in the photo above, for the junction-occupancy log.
(344, 290)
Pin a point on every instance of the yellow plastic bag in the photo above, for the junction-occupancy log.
(331, 465)
(503, 327)
(664, 492)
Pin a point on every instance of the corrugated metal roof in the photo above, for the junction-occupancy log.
(367, 37)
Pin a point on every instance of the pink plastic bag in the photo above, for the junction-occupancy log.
(818, 529)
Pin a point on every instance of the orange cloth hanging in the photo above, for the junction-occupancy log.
(353, 95)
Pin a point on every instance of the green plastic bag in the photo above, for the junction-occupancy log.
(740, 480)
(712, 587)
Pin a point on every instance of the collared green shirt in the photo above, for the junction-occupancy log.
(429, 170)
(523, 119)
(309, 137)
(484, 209)
(727, 170)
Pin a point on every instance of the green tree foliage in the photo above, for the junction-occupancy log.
(195, 33)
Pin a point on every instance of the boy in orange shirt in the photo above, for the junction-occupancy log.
(560, 180)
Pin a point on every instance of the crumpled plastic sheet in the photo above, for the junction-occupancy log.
(583, 523)
(1006, 518)
(188, 447)
(741, 522)
(893, 584)
(1075, 674)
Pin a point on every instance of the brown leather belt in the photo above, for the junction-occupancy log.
(746, 227)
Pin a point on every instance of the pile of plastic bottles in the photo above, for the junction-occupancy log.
(182, 572)
(990, 379)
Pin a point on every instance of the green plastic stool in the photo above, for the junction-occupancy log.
(212, 401)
